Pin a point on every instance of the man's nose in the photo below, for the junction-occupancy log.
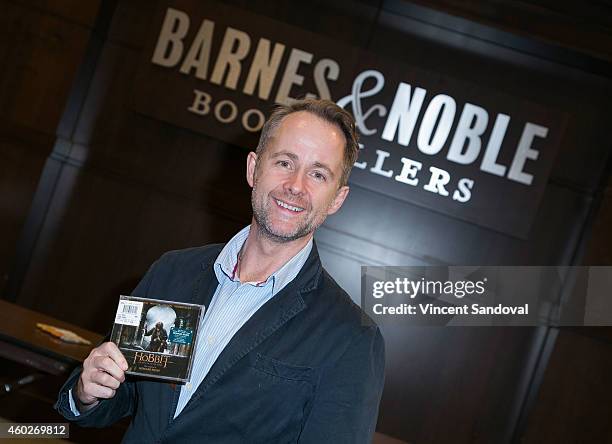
(295, 183)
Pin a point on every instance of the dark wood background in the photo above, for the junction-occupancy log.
(91, 193)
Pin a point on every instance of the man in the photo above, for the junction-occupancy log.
(285, 355)
(158, 338)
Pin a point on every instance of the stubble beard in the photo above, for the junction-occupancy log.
(261, 213)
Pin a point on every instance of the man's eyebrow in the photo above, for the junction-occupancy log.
(289, 154)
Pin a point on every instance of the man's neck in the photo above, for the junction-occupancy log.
(261, 256)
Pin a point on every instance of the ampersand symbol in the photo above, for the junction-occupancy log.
(355, 100)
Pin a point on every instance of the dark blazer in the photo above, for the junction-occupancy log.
(307, 367)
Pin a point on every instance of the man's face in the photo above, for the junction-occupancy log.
(296, 182)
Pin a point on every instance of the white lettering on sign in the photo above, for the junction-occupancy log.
(404, 114)
(291, 76)
(234, 49)
(354, 99)
(263, 69)
(524, 152)
(409, 172)
(169, 48)
(225, 111)
(489, 161)
(436, 124)
(472, 124)
(199, 52)
(431, 125)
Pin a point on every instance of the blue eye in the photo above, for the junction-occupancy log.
(319, 176)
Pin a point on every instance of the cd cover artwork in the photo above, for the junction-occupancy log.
(157, 337)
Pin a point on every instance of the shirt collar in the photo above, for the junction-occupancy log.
(227, 261)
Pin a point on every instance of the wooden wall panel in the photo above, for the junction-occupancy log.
(598, 251)
(453, 384)
(42, 53)
(581, 25)
(73, 11)
(20, 166)
(352, 22)
(99, 242)
(41, 46)
(574, 400)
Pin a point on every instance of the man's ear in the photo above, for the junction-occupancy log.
(250, 168)
(338, 200)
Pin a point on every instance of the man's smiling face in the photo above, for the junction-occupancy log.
(296, 180)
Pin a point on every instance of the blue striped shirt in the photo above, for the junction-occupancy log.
(233, 304)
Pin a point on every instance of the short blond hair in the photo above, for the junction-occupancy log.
(327, 111)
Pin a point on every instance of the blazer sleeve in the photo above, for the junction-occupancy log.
(107, 412)
(345, 408)
(110, 410)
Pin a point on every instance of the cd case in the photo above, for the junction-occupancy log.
(157, 337)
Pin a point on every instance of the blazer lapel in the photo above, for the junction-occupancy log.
(206, 285)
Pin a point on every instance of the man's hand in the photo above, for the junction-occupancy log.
(103, 372)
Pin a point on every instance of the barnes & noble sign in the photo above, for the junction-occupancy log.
(427, 138)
